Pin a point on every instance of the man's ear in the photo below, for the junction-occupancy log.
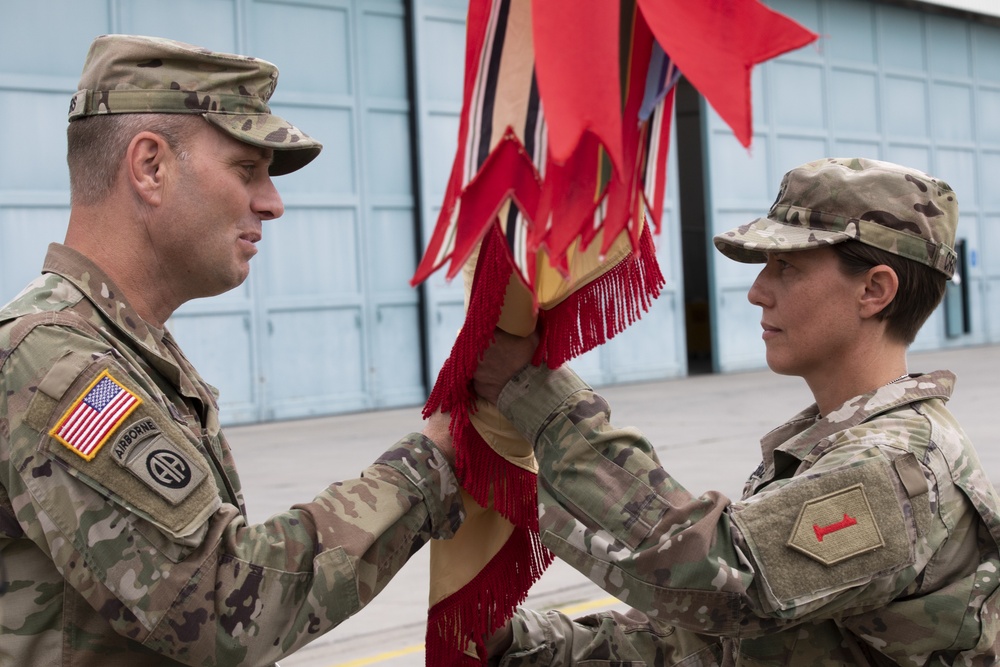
(145, 160)
(881, 285)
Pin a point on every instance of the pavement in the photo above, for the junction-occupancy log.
(706, 429)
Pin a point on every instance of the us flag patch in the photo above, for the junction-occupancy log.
(94, 415)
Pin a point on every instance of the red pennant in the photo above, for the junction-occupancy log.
(578, 78)
(716, 44)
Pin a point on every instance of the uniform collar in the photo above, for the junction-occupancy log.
(111, 302)
(799, 436)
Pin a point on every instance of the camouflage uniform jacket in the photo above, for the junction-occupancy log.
(868, 536)
(126, 542)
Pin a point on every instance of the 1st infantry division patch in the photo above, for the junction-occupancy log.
(837, 526)
(94, 415)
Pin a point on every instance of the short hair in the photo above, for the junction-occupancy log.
(97, 144)
(921, 288)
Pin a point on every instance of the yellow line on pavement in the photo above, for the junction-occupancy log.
(571, 610)
(382, 657)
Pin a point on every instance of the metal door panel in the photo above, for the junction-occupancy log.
(951, 111)
(390, 273)
(957, 166)
(854, 102)
(738, 178)
(986, 52)
(988, 114)
(398, 379)
(948, 46)
(215, 26)
(906, 103)
(33, 136)
(442, 40)
(314, 53)
(590, 367)
(438, 138)
(26, 234)
(799, 91)
(312, 255)
(389, 216)
(901, 40)
(383, 40)
(988, 261)
(316, 362)
(387, 155)
(990, 172)
(50, 38)
(854, 25)
(991, 306)
(446, 322)
(230, 367)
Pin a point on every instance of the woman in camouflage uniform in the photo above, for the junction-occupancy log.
(868, 535)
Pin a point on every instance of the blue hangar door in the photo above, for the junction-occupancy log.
(327, 322)
(884, 82)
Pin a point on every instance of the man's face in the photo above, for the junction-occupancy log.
(810, 312)
(212, 213)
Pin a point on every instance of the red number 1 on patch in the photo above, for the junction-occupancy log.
(822, 531)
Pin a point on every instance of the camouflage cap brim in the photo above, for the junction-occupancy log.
(750, 243)
(293, 148)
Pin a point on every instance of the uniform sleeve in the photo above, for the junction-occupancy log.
(134, 522)
(703, 563)
(543, 639)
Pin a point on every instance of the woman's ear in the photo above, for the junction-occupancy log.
(880, 288)
(145, 160)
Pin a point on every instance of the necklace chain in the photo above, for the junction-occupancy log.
(904, 376)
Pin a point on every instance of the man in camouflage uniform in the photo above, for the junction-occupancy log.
(122, 524)
(868, 535)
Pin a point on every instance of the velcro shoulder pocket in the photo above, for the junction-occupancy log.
(816, 535)
(100, 423)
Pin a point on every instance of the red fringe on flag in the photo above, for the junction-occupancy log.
(587, 318)
(597, 312)
(484, 474)
(482, 606)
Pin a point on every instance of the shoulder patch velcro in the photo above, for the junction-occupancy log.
(129, 448)
(826, 531)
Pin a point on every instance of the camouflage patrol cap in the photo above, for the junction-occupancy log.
(900, 210)
(135, 74)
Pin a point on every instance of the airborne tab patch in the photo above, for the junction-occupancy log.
(94, 416)
(163, 466)
(837, 526)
